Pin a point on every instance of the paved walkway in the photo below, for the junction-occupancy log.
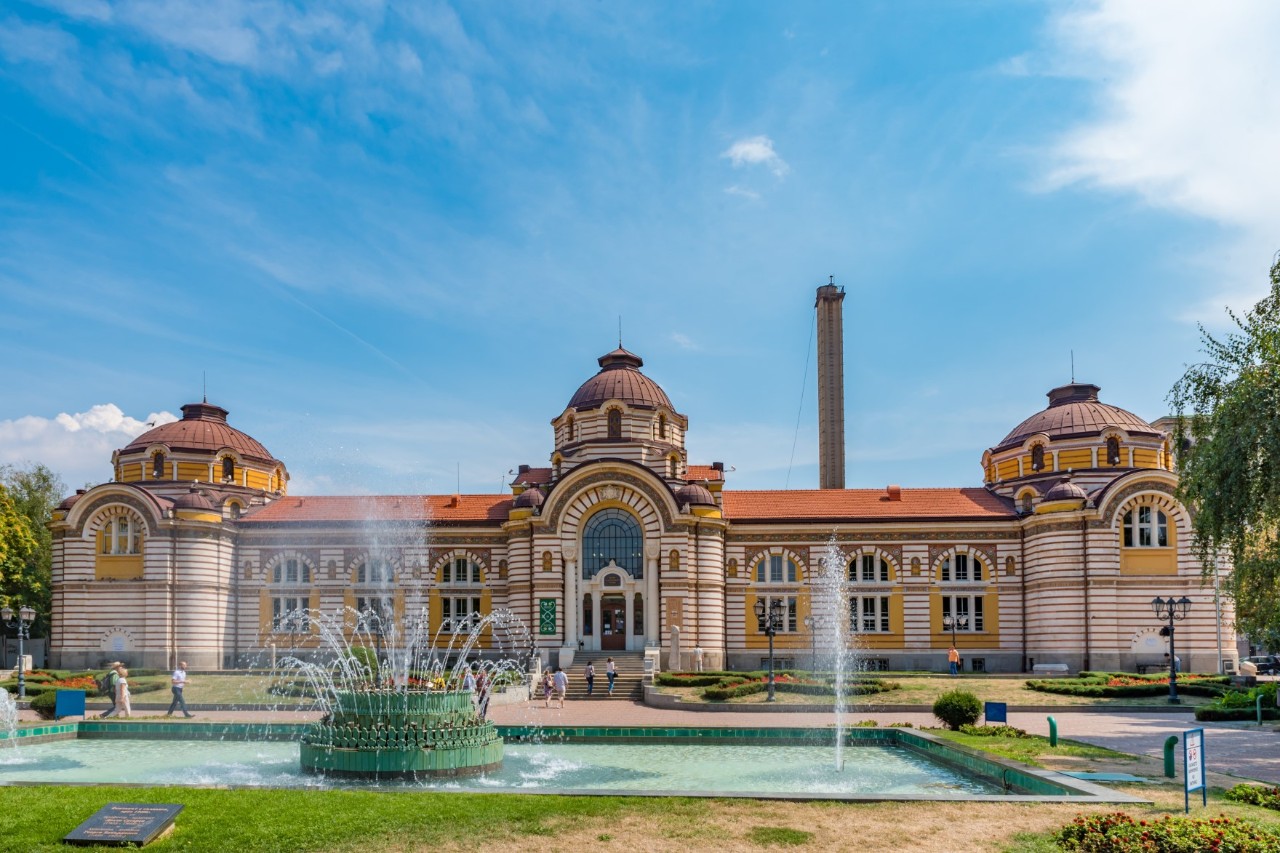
(1236, 749)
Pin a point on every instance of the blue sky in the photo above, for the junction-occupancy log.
(396, 236)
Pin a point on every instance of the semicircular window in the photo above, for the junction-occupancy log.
(612, 535)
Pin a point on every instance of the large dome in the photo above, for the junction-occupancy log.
(1074, 410)
(203, 427)
(620, 379)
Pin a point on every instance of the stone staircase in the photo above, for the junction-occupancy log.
(627, 686)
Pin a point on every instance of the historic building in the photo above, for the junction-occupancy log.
(196, 549)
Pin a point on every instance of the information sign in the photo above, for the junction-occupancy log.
(1193, 765)
(125, 824)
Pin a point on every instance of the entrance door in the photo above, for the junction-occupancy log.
(613, 624)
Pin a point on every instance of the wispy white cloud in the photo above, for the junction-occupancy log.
(683, 341)
(77, 446)
(756, 151)
(1187, 118)
(742, 192)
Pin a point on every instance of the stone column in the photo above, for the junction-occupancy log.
(570, 647)
(628, 602)
(652, 631)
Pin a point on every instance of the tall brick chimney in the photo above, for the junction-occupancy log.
(830, 307)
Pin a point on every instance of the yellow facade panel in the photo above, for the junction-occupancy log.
(192, 471)
(1075, 459)
(122, 568)
(1144, 458)
(1008, 469)
(1148, 561)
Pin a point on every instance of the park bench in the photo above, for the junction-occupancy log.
(1051, 669)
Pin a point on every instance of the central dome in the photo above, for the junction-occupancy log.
(203, 428)
(620, 379)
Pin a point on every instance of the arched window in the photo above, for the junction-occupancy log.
(777, 568)
(228, 468)
(462, 570)
(662, 426)
(1037, 457)
(615, 423)
(961, 567)
(612, 534)
(121, 536)
(1113, 451)
(1028, 503)
(674, 465)
(570, 429)
(1146, 527)
(868, 568)
(157, 466)
(234, 509)
(546, 561)
(291, 570)
(375, 570)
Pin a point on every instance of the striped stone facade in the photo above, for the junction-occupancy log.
(622, 544)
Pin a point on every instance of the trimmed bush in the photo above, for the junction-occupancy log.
(957, 708)
(994, 731)
(1114, 685)
(1119, 833)
(43, 704)
(1255, 795)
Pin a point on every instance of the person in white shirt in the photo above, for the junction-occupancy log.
(178, 681)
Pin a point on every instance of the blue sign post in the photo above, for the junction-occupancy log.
(995, 712)
(1193, 766)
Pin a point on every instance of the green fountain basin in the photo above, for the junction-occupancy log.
(390, 734)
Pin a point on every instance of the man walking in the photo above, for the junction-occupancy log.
(177, 682)
(953, 660)
(561, 682)
(109, 681)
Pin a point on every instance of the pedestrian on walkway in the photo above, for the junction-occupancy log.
(591, 677)
(547, 686)
(561, 681)
(611, 671)
(482, 693)
(953, 660)
(109, 685)
(123, 705)
(177, 682)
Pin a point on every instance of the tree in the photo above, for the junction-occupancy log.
(1229, 438)
(33, 492)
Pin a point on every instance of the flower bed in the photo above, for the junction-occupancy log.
(1117, 832)
(1112, 685)
(1255, 795)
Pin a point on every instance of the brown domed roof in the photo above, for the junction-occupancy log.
(193, 499)
(620, 379)
(529, 499)
(695, 495)
(1066, 491)
(203, 427)
(1075, 410)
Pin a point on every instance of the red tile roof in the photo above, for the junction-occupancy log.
(533, 477)
(865, 505)
(703, 472)
(437, 509)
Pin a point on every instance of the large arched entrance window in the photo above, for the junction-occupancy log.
(612, 535)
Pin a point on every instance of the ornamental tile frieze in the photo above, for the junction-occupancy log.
(1127, 492)
(843, 539)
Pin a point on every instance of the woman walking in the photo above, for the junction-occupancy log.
(610, 670)
(123, 707)
(591, 677)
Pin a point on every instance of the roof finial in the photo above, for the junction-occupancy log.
(1073, 367)
(204, 386)
(619, 331)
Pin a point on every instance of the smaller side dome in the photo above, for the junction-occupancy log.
(71, 501)
(1066, 491)
(694, 495)
(529, 499)
(193, 499)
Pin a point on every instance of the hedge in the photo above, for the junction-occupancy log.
(1096, 685)
(855, 688)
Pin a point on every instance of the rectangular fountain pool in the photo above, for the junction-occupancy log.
(880, 764)
(702, 768)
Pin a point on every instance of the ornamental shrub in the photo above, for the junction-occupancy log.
(1255, 795)
(957, 708)
(1117, 832)
(994, 731)
(43, 704)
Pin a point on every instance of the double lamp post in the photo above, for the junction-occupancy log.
(1171, 609)
(22, 625)
(769, 618)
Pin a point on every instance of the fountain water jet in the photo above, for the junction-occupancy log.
(398, 700)
(833, 611)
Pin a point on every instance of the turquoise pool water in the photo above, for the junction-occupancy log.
(666, 768)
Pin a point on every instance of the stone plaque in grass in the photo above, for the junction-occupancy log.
(122, 824)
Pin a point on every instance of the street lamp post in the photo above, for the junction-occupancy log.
(812, 624)
(1171, 609)
(22, 625)
(770, 620)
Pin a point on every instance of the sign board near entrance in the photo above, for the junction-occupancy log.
(546, 616)
(1193, 764)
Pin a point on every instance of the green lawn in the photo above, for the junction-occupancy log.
(1034, 748)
